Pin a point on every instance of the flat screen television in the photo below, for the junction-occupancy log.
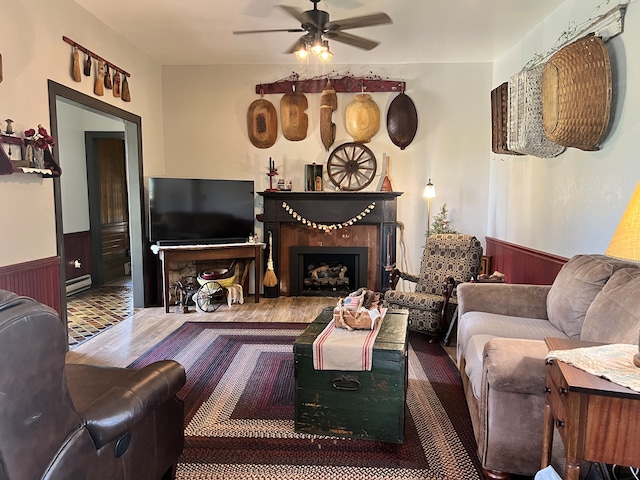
(200, 211)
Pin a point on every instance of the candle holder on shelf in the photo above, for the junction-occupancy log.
(273, 171)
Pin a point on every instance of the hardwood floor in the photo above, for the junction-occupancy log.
(126, 341)
(123, 343)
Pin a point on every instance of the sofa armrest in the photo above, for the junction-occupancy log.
(125, 404)
(515, 365)
(529, 301)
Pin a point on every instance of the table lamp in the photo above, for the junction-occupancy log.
(625, 243)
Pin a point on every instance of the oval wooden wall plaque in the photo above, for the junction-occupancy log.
(402, 121)
(294, 120)
(362, 118)
(262, 123)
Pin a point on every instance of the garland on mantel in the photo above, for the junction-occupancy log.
(322, 226)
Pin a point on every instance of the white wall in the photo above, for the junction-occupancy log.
(33, 52)
(73, 121)
(572, 203)
(194, 124)
(205, 130)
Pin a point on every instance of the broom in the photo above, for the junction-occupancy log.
(270, 279)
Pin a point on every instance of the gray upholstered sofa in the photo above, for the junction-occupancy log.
(501, 349)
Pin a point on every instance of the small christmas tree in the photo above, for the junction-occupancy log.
(441, 222)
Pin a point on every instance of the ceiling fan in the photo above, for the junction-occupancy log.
(318, 28)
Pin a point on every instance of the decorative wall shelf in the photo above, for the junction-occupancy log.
(606, 26)
(16, 163)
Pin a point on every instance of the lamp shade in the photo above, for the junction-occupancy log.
(625, 243)
(429, 190)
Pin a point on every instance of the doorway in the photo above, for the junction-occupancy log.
(108, 206)
(137, 231)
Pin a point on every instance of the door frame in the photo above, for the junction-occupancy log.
(135, 191)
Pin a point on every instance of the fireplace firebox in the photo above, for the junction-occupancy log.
(327, 271)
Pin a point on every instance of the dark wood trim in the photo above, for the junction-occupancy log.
(522, 264)
(38, 279)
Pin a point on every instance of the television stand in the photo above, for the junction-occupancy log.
(190, 253)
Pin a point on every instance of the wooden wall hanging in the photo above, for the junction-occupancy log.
(345, 84)
(102, 71)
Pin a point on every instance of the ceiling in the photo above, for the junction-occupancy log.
(199, 32)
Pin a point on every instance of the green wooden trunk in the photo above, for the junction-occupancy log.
(355, 404)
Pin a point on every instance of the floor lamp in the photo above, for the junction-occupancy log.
(625, 243)
(429, 193)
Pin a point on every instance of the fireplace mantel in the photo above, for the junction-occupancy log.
(375, 230)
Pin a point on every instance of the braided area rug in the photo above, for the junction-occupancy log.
(239, 405)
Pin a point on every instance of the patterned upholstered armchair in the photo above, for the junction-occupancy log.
(448, 259)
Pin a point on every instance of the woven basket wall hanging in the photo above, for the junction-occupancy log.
(576, 94)
(499, 124)
(526, 133)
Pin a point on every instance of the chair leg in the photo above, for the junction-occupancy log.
(454, 318)
(496, 475)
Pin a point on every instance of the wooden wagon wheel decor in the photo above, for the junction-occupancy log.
(351, 166)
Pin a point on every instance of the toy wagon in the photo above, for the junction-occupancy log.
(213, 283)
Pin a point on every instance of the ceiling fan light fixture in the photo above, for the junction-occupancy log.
(302, 51)
(325, 54)
(318, 45)
(316, 23)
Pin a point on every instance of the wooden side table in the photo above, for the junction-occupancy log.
(188, 253)
(598, 420)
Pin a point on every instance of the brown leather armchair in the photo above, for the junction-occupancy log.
(67, 421)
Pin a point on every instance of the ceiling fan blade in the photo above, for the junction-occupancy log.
(352, 40)
(290, 30)
(295, 45)
(293, 11)
(357, 22)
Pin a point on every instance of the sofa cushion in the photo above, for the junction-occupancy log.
(483, 323)
(473, 360)
(516, 365)
(614, 315)
(575, 287)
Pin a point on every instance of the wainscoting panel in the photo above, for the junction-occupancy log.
(522, 264)
(38, 279)
(77, 246)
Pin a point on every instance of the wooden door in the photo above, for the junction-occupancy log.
(114, 213)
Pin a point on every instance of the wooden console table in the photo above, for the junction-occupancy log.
(598, 420)
(190, 253)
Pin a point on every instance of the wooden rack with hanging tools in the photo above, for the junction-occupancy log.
(103, 79)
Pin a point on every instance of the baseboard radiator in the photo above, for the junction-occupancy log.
(78, 284)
